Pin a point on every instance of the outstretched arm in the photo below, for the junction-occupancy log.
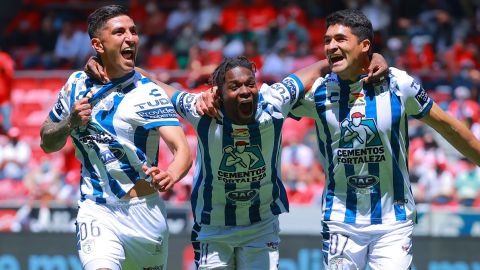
(174, 137)
(53, 136)
(456, 133)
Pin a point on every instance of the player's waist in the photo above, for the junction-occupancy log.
(140, 189)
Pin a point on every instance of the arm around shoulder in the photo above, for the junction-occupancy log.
(167, 88)
(455, 132)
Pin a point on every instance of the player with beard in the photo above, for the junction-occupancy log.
(115, 128)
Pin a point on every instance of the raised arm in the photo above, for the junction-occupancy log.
(456, 133)
(174, 137)
(53, 136)
(309, 74)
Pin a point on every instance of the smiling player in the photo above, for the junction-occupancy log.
(115, 128)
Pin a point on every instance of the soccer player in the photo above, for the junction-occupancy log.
(368, 206)
(115, 128)
(237, 191)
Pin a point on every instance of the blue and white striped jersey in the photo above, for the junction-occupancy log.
(363, 140)
(122, 134)
(237, 173)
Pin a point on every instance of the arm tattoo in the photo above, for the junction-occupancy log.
(54, 135)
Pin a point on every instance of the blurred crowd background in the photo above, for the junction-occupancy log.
(42, 41)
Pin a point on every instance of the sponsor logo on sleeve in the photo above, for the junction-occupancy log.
(422, 97)
(58, 108)
(291, 87)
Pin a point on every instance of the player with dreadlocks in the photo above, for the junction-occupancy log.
(237, 191)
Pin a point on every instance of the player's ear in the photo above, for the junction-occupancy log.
(97, 45)
(366, 44)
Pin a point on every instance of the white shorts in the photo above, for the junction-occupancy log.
(380, 246)
(129, 234)
(248, 247)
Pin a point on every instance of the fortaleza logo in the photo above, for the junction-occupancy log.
(241, 163)
(158, 113)
(360, 142)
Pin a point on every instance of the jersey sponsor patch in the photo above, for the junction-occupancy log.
(422, 97)
(363, 183)
(242, 163)
(292, 89)
(241, 197)
(158, 113)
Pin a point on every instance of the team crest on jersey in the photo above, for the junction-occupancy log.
(88, 246)
(241, 163)
(336, 263)
(360, 141)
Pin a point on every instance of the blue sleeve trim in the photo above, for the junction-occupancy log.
(161, 124)
(53, 117)
(300, 85)
(425, 111)
(175, 97)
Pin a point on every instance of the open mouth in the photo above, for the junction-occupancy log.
(128, 53)
(335, 58)
(246, 107)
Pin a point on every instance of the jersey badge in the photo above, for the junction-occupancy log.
(360, 141)
(242, 163)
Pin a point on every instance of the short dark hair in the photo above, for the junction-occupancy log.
(218, 75)
(97, 19)
(359, 24)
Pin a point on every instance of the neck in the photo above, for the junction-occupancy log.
(115, 73)
(354, 72)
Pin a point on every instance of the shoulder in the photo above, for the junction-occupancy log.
(77, 76)
(400, 78)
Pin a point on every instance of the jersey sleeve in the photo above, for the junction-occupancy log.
(70, 92)
(184, 104)
(414, 97)
(306, 105)
(159, 112)
(283, 95)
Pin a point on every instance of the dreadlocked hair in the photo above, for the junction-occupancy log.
(218, 75)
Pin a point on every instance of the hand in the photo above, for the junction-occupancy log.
(94, 69)
(208, 103)
(81, 113)
(378, 69)
(161, 180)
